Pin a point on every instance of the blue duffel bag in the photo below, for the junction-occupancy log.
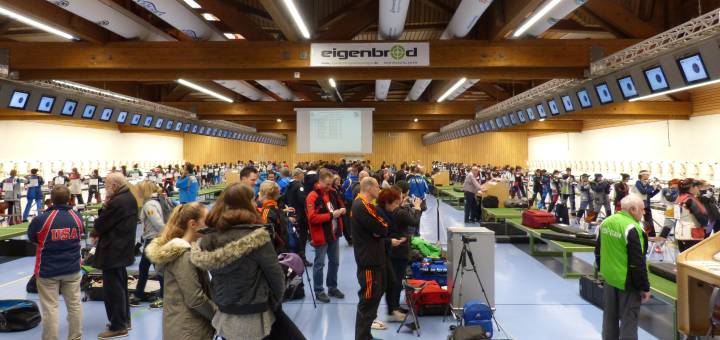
(477, 313)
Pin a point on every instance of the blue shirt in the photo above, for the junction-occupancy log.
(418, 186)
(35, 192)
(188, 187)
(57, 233)
(347, 186)
(283, 184)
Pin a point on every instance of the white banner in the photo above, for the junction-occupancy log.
(370, 54)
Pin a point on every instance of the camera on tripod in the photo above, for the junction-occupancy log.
(466, 239)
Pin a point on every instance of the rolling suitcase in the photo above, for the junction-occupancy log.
(18, 315)
(591, 290)
(537, 219)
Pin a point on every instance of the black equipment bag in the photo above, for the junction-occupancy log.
(569, 238)
(517, 203)
(17, 248)
(468, 333)
(31, 286)
(18, 315)
(665, 270)
(295, 288)
(490, 202)
(566, 229)
(505, 233)
(591, 290)
(561, 213)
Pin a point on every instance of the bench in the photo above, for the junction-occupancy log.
(498, 214)
(448, 195)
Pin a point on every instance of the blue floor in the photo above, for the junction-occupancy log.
(533, 301)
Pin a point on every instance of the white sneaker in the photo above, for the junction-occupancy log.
(396, 316)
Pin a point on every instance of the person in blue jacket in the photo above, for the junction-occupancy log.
(188, 186)
(57, 233)
(546, 188)
(647, 190)
(418, 185)
(284, 180)
(348, 185)
(34, 193)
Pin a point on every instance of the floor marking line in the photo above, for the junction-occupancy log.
(13, 281)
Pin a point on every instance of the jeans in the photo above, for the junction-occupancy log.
(79, 198)
(333, 254)
(543, 197)
(470, 207)
(115, 291)
(48, 288)
(144, 269)
(94, 192)
(571, 198)
(38, 205)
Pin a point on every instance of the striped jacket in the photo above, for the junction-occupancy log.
(57, 233)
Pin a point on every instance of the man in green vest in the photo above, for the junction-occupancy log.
(620, 256)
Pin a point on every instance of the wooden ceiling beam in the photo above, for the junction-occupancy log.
(277, 11)
(568, 26)
(290, 126)
(549, 126)
(234, 18)
(61, 19)
(351, 22)
(621, 18)
(440, 6)
(304, 91)
(510, 15)
(641, 110)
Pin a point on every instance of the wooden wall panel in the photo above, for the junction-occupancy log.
(498, 148)
(706, 100)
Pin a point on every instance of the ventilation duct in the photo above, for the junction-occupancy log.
(245, 89)
(391, 25)
(556, 14)
(180, 17)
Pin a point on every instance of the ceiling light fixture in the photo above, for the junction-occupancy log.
(416, 120)
(234, 36)
(451, 89)
(278, 120)
(192, 3)
(35, 23)
(332, 83)
(541, 120)
(94, 90)
(539, 14)
(210, 17)
(689, 87)
(204, 90)
(298, 19)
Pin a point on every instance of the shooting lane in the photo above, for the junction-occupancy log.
(605, 87)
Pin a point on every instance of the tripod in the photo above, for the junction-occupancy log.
(459, 275)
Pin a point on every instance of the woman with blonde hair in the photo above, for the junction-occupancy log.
(188, 310)
(272, 214)
(151, 217)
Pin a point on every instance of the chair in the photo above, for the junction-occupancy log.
(410, 291)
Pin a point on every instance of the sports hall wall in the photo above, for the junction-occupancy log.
(393, 147)
(67, 142)
(693, 140)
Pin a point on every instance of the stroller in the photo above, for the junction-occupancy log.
(294, 267)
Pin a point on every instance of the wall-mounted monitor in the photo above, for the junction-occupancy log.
(169, 125)
(186, 127)
(513, 118)
(603, 93)
(19, 100)
(159, 122)
(147, 122)
(541, 111)
(506, 120)
(194, 128)
(693, 69)
(89, 111)
(499, 122)
(69, 107)
(106, 114)
(46, 103)
(178, 126)
(201, 130)
(521, 116)
(627, 87)
(584, 99)
(531, 113)
(656, 79)
(135, 119)
(554, 109)
(122, 117)
(567, 103)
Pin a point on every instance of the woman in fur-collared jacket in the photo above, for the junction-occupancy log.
(187, 309)
(247, 281)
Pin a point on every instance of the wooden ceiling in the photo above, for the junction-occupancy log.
(148, 70)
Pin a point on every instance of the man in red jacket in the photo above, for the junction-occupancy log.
(324, 214)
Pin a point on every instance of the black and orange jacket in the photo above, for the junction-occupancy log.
(272, 214)
(369, 234)
(320, 218)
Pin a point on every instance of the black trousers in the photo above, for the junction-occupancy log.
(93, 192)
(396, 270)
(371, 291)
(571, 198)
(144, 271)
(302, 230)
(347, 230)
(77, 197)
(471, 207)
(115, 291)
(620, 316)
(649, 224)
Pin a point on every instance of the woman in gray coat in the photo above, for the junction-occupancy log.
(187, 310)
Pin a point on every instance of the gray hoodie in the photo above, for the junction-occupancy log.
(151, 217)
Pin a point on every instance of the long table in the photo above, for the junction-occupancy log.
(448, 194)
(565, 249)
(503, 213)
(665, 291)
(13, 231)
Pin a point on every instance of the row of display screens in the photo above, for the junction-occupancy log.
(692, 68)
(19, 100)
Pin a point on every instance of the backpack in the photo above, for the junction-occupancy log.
(167, 207)
(18, 315)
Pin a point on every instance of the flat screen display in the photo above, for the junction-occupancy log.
(489, 125)
(554, 109)
(169, 125)
(521, 116)
(499, 122)
(541, 111)
(531, 113)
(147, 122)
(68, 108)
(178, 126)
(159, 123)
(513, 118)
(201, 130)
(186, 127)
(89, 111)
(19, 100)
(46, 104)
(567, 103)
(603, 93)
(506, 120)
(656, 79)
(584, 99)
(122, 117)
(627, 87)
(106, 114)
(693, 69)
(135, 119)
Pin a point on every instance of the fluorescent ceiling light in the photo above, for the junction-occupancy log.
(35, 23)
(541, 13)
(234, 36)
(192, 3)
(451, 89)
(689, 87)
(204, 90)
(210, 17)
(94, 90)
(332, 82)
(298, 19)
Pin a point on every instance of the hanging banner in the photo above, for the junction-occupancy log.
(370, 54)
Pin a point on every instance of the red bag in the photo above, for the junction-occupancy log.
(537, 219)
(697, 233)
(431, 300)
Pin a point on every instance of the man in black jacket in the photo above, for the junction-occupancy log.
(369, 232)
(295, 198)
(115, 228)
(311, 177)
